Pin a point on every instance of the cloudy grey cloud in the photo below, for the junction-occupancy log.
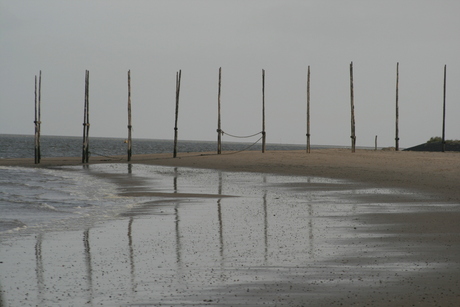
(154, 39)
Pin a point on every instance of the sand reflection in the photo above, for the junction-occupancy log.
(39, 269)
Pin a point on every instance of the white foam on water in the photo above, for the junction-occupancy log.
(41, 198)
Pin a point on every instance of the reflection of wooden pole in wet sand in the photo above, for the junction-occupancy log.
(39, 269)
(131, 253)
(89, 269)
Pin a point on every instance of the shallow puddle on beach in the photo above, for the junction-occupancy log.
(204, 237)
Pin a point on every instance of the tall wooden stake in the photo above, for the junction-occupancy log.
(353, 135)
(219, 131)
(87, 117)
(36, 123)
(129, 116)
(397, 108)
(444, 114)
(178, 77)
(85, 151)
(83, 156)
(263, 111)
(308, 110)
(39, 114)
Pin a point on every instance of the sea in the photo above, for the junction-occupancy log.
(36, 198)
(23, 146)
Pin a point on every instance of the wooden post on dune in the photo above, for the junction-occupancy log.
(219, 130)
(263, 111)
(308, 110)
(85, 150)
(353, 135)
(129, 116)
(444, 113)
(37, 121)
(397, 108)
(178, 77)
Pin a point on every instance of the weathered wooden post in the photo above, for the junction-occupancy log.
(178, 77)
(397, 108)
(263, 111)
(353, 135)
(308, 110)
(87, 117)
(39, 114)
(129, 116)
(219, 131)
(444, 113)
(37, 121)
(375, 143)
(85, 151)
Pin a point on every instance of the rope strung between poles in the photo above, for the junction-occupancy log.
(244, 149)
(240, 137)
(101, 155)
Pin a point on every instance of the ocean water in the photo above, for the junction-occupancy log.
(34, 197)
(22, 146)
(66, 198)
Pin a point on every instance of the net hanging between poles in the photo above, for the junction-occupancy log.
(244, 149)
(242, 137)
(238, 136)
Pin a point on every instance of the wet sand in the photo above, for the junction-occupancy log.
(433, 172)
(397, 248)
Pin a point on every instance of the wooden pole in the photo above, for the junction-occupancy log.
(353, 135)
(129, 117)
(308, 110)
(263, 111)
(397, 108)
(178, 77)
(83, 154)
(36, 123)
(85, 151)
(87, 118)
(39, 114)
(375, 143)
(219, 131)
(444, 113)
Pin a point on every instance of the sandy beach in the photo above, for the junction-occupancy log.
(393, 240)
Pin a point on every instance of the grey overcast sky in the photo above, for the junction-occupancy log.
(155, 39)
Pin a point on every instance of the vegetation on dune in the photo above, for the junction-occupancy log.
(438, 139)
